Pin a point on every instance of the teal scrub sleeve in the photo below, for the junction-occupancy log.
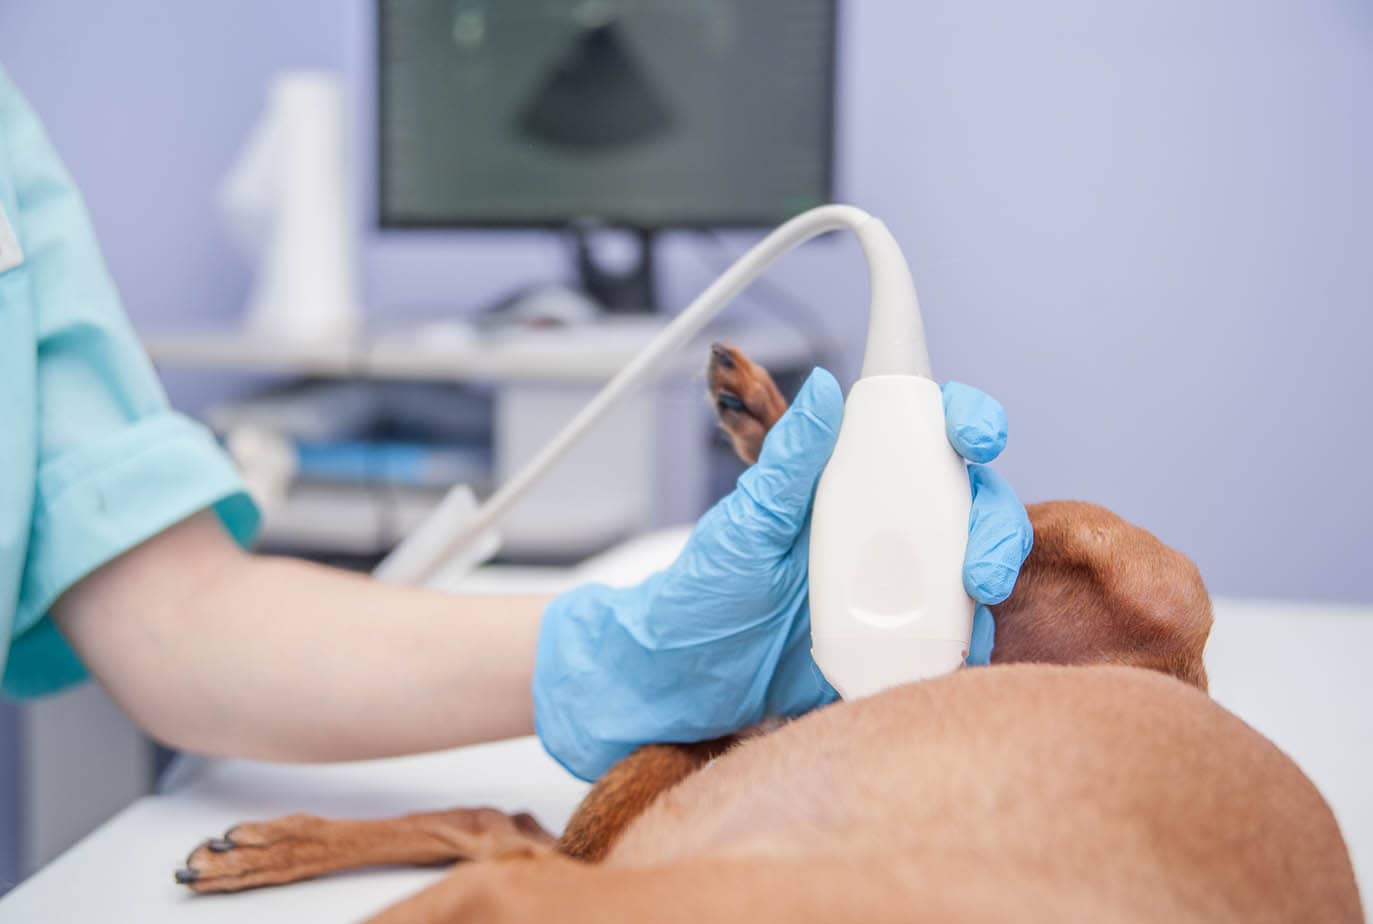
(114, 464)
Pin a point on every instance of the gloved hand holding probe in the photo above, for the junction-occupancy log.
(721, 638)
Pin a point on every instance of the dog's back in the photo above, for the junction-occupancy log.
(990, 792)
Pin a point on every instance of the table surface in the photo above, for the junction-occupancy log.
(124, 870)
(1293, 671)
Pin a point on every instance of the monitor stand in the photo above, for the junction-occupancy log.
(618, 291)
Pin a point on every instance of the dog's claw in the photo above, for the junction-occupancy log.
(186, 876)
(729, 402)
(722, 355)
(220, 844)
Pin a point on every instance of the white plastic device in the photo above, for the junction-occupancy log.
(887, 604)
(890, 522)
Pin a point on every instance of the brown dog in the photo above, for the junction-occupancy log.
(1087, 777)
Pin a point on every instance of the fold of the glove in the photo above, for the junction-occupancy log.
(974, 421)
(984, 638)
(604, 686)
(999, 537)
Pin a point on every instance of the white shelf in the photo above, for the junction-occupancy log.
(456, 353)
(539, 378)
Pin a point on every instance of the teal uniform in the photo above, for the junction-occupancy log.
(93, 461)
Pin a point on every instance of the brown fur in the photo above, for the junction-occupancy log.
(1083, 783)
(627, 789)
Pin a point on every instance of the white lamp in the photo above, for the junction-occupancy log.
(286, 202)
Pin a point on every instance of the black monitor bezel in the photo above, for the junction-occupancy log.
(565, 222)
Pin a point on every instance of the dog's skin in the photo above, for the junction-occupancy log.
(1084, 776)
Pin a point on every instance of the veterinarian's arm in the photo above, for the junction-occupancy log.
(206, 646)
(215, 650)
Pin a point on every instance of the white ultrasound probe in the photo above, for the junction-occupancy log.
(890, 521)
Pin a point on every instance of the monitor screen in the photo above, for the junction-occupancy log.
(641, 113)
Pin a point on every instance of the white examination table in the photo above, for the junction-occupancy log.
(1293, 671)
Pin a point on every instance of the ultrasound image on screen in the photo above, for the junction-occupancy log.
(648, 113)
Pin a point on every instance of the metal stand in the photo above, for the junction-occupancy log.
(632, 291)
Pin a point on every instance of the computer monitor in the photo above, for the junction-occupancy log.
(642, 114)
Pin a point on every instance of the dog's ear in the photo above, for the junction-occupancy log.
(1097, 589)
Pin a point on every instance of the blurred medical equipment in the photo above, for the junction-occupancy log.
(891, 512)
(501, 394)
(541, 306)
(607, 122)
(285, 201)
(595, 114)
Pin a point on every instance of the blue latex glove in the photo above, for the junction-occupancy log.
(721, 639)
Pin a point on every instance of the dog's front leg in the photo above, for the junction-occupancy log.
(298, 847)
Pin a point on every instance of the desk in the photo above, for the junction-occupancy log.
(123, 872)
(1295, 672)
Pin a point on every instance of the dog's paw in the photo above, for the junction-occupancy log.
(746, 400)
(298, 847)
(253, 855)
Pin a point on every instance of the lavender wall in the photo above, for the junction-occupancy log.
(1149, 228)
(1146, 227)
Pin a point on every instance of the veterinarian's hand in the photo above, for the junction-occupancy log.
(999, 533)
(721, 639)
